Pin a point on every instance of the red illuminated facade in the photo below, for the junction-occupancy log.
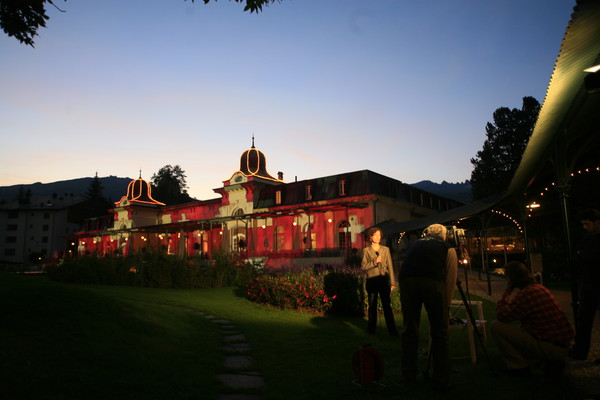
(262, 216)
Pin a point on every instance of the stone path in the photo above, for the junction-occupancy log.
(238, 373)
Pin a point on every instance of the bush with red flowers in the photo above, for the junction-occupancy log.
(320, 289)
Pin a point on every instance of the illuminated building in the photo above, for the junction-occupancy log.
(262, 216)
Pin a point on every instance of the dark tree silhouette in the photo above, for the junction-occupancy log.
(495, 165)
(169, 186)
(23, 18)
(95, 204)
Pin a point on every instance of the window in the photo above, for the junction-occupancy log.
(11, 227)
(344, 235)
(46, 215)
(278, 197)
(11, 239)
(344, 239)
(10, 252)
(45, 228)
(44, 239)
(13, 214)
(280, 237)
(342, 187)
(308, 192)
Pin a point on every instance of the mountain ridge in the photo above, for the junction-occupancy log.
(460, 191)
(116, 187)
(113, 188)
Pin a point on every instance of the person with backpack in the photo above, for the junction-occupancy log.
(428, 278)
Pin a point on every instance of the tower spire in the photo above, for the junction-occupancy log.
(253, 140)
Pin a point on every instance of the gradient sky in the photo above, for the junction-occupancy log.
(403, 88)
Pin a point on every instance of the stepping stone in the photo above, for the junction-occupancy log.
(229, 327)
(209, 316)
(236, 347)
(242, 381)
(240, 337)
(237, 362)
(239, 396)
(220, 321)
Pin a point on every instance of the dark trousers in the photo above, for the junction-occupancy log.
(414, 293)
(589, 303)
(379, 286)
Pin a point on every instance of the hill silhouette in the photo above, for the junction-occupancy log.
(114, 188)
(455, 191)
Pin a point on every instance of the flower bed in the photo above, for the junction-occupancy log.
(331, 289)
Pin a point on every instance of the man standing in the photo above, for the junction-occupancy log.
(544, 332)
(428, 277)
(587, 268)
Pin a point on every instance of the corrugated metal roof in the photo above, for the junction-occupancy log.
(568, 123)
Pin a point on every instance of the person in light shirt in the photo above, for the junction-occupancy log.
(381, 280)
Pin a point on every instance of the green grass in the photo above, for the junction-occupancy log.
(63, 341)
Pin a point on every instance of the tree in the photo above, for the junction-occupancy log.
(22, 18)
(169, 186)
(95, 204)
(495, 165)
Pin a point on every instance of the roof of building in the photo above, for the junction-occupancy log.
(566, 132)
(350, 184)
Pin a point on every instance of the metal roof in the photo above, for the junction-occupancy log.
(567, 129)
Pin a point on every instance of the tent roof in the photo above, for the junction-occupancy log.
(455, 214)
(567, 126)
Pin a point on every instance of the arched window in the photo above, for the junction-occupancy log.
(309, 237)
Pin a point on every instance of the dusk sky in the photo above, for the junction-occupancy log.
(403, 88)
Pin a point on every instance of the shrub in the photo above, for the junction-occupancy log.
(155, 269)
(320, 288)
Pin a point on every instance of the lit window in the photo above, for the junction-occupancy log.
(308, 192)
(278, 197)
(342, 188)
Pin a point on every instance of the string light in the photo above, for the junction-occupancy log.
(579, 172)
(573, 174)
(513, 220)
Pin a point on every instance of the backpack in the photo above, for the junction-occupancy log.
(367, 365)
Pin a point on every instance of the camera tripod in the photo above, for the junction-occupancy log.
(473, 321)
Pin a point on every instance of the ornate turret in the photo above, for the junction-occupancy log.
(139, 191)
(254, 163)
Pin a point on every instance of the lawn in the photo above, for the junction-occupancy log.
(66, 341)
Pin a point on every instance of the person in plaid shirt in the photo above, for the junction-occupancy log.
(544, 332)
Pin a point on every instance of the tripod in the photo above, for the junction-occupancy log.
(478, 334)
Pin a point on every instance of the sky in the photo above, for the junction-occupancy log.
(402, 88)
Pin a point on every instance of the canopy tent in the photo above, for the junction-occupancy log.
(452, 215)
(566, 131)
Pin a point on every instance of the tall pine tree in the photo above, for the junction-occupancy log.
(95, 204)
(507, 137)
